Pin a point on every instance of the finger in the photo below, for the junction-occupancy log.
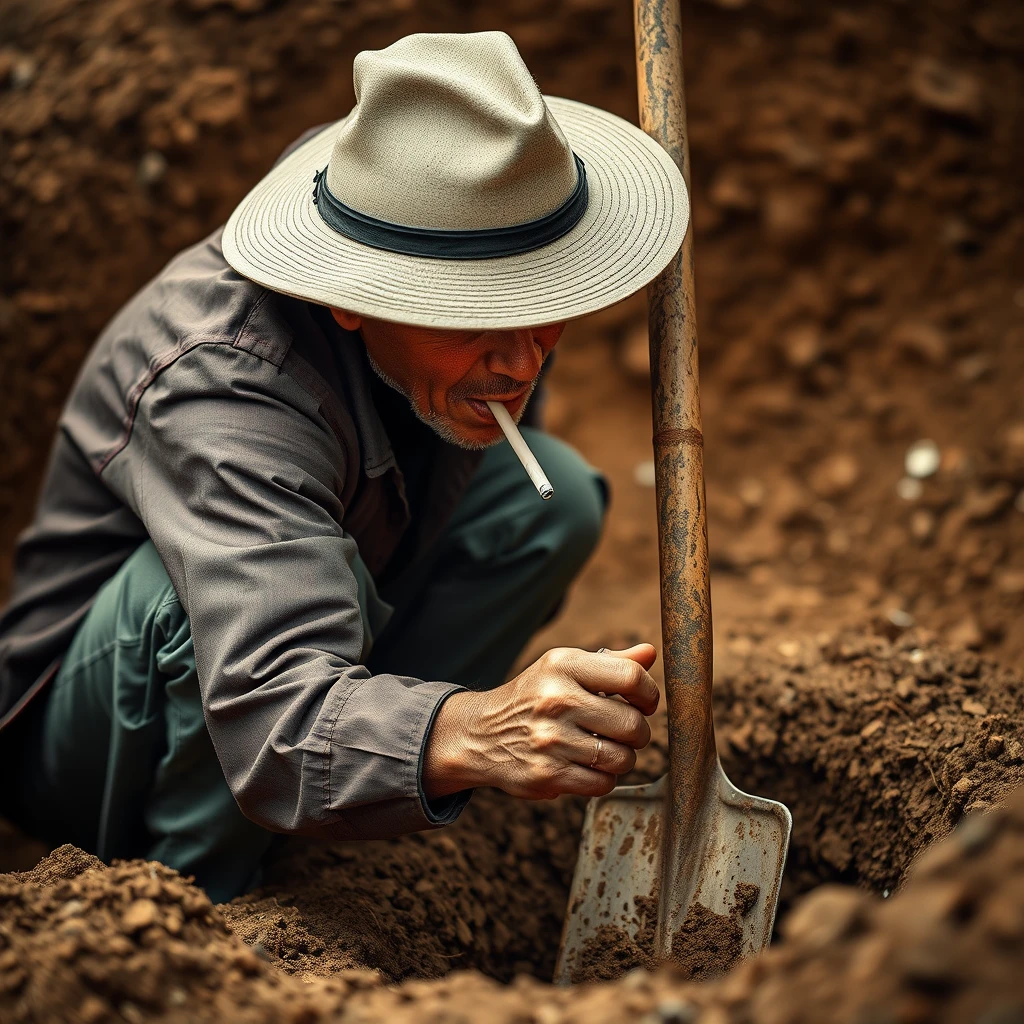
(614, 720)
(598, 753)
(643, 654)
(582, 781)
(611, 673)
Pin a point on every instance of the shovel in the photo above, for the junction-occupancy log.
(687, 868)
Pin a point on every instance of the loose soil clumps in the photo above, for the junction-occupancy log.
(489, 893)
(85, 942)
(136, 942)
(877, 744)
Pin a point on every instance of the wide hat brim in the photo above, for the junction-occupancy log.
(634, 224)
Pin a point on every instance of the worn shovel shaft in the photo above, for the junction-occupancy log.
(678, 443)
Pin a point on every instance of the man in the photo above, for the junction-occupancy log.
(281, 565)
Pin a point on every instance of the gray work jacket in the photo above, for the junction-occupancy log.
(237, 431)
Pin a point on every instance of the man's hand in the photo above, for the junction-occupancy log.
(548, 731)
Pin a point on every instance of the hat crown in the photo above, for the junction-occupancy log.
(450, 131)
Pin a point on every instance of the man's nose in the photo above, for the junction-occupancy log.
(516, 355)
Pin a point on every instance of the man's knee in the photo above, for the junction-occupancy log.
(574, 516)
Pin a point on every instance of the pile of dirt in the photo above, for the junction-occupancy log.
(946, 949)
(81, 941)
(488, 892)
(86, 942)
(877, 744)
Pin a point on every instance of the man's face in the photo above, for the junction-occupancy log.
(449, 375)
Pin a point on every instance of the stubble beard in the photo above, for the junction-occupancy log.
(441, 426)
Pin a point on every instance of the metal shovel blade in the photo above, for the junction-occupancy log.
(628, 882)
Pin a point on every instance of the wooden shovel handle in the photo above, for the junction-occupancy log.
(678, 441)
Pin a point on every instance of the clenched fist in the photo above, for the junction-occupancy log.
(549, 730)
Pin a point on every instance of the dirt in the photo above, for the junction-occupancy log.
(883, 743)
(488, 893)
(859, 233)
(612, 951)
(86, 942)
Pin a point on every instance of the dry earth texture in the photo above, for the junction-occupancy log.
(859, 233)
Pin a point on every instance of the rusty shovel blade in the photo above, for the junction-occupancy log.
(629, 881)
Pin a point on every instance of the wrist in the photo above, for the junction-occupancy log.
(449, 761)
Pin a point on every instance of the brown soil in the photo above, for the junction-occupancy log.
(489, 893)
(859, 233)
(81, 941)
(879, 745)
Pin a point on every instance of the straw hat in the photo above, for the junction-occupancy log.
(455, 195)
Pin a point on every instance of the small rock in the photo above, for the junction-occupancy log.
(909, 489)
(751, 492)
(922, 459)
(966, 633)
(801, 345)
(900, 619)
(140, 914)
(152, 168)
(922, 525)
(1010, 581)
(973, 368)
(871, 728)
(905, 687)
(946, 90)
(674, 1011)
(835, 475)
(23, 73)
(974, 707)
(994, 745)
(73, 908)
(643, 474)
(981, 505)
(923, 340)
(962, 788)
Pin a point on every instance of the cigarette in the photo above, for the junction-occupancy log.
(520, 447)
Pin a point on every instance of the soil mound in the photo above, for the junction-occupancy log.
(91, 943)
(489, 893)
(945, 950)
(877, 744)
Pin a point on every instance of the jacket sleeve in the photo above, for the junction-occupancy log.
(235, 475)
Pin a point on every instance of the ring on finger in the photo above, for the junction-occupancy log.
(597, 752)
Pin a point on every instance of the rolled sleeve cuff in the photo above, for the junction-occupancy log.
(444, 810)
(377, 751)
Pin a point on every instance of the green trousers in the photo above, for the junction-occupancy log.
(116, 757)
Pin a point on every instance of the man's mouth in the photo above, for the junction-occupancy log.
(513, 404)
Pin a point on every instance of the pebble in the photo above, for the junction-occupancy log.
(152, 168)
(23, 73)
(909, 489)
(140, 914)
(922, 525)
(899, 618)
(946, 89)
(643, 474)
(835, 475)
(922, 459)
(751, 492)
(974, 707)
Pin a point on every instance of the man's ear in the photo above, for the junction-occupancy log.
(346, 320)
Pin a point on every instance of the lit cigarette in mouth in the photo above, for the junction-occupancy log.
(520, 447)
